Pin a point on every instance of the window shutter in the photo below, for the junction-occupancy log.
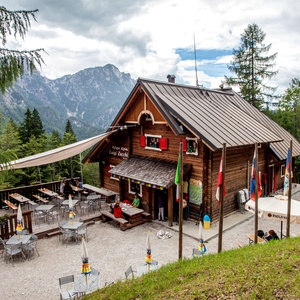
(142, 141)
(184, 144)
(163, 143)
(108, 169)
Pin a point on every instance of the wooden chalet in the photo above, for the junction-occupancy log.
(142, 155)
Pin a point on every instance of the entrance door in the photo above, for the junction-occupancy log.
(271, 180)
(164, 195)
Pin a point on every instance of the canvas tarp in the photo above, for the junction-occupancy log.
(55, 155)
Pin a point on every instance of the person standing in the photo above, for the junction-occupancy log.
(161, 216)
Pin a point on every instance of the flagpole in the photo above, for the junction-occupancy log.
(222, 200)
(180, 203)
(256, 196)
(288, 218)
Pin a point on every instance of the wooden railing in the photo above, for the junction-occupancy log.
(28, 191)
(8, 229)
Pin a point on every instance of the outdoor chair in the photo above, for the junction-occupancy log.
(30, 248)
(129, 272)
(82, 232)
(66, 287)
(2, 242)
(84, 207)
(14, 250)
(196, 252)
(154, 262)
(68, 235)
(94, 279)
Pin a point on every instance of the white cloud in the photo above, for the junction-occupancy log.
(141, 37)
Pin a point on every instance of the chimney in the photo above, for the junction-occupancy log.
(171, 78)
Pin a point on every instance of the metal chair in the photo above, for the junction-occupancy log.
(14, 250)
(82, 232)
(129, 272)
(154, 262)
(30, 248)
(65, 292)
(2, 242)
(196, 252)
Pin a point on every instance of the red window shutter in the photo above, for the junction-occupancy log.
(184, 144)
(108, 169)
(142, 141)
(163, 143)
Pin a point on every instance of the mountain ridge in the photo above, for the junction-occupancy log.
(90, 98)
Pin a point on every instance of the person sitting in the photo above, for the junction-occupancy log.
(79, 183)
(272, 236)
(118, 211)
(136, 201)
(68, 190)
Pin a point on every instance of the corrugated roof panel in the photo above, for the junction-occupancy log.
(206, 113)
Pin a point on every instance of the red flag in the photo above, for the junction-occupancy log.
(220, 181)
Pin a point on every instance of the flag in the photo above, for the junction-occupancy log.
(253, 179)
(220, 180)
(177, 177)
(286, 175)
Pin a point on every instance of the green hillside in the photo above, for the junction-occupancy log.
(265, 271)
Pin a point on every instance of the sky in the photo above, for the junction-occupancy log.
(154, 38)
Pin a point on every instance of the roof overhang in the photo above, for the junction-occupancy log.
(148, 171)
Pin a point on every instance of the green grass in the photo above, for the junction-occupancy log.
(263, 271)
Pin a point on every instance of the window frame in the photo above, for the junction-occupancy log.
(156, 137)
(189, 141)
(112, 177)
(130, 191)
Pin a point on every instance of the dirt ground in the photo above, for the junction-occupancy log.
(111, 251)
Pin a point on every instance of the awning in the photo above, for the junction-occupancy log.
(149, 171)
(55, 155)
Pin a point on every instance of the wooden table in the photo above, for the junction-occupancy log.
(109, 195)
(48, 192)
(24, 239)
(19, 198)
(133, 214)
(76, 189)
(259, 239)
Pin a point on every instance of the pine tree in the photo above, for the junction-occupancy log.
(14, 62)
(25, 129)
(251, 65)
(37, 126)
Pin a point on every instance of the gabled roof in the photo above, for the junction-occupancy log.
(215, 116)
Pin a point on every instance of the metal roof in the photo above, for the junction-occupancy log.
(214, 116)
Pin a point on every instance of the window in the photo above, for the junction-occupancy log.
(135, 187)
(282, 173)
(152, 142)
(192, 146)
(112, 177)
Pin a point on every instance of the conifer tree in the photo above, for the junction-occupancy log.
(252, 65)
(14, 62)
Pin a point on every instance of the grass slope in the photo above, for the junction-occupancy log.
(263, 271)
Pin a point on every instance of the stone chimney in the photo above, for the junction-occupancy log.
(171, 78)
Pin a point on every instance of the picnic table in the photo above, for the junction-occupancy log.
(259, 239)
(133, 214)
(109, 195)
(19, 198)
(48, 192)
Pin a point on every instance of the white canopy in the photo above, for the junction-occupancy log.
(275, 208)
(55, 155)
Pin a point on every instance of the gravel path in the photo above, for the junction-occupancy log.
(111, 251)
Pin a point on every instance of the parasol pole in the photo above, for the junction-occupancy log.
(288, 218)
(256, 197)
(222, 200)
(180, 203)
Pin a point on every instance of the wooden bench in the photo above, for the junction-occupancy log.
(39, 198)
(10, 205)
(53, 233)
(106, 216)
(146, 216)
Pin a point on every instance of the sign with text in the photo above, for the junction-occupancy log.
(118, 151)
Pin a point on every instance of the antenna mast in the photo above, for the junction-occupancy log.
(197, 83)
